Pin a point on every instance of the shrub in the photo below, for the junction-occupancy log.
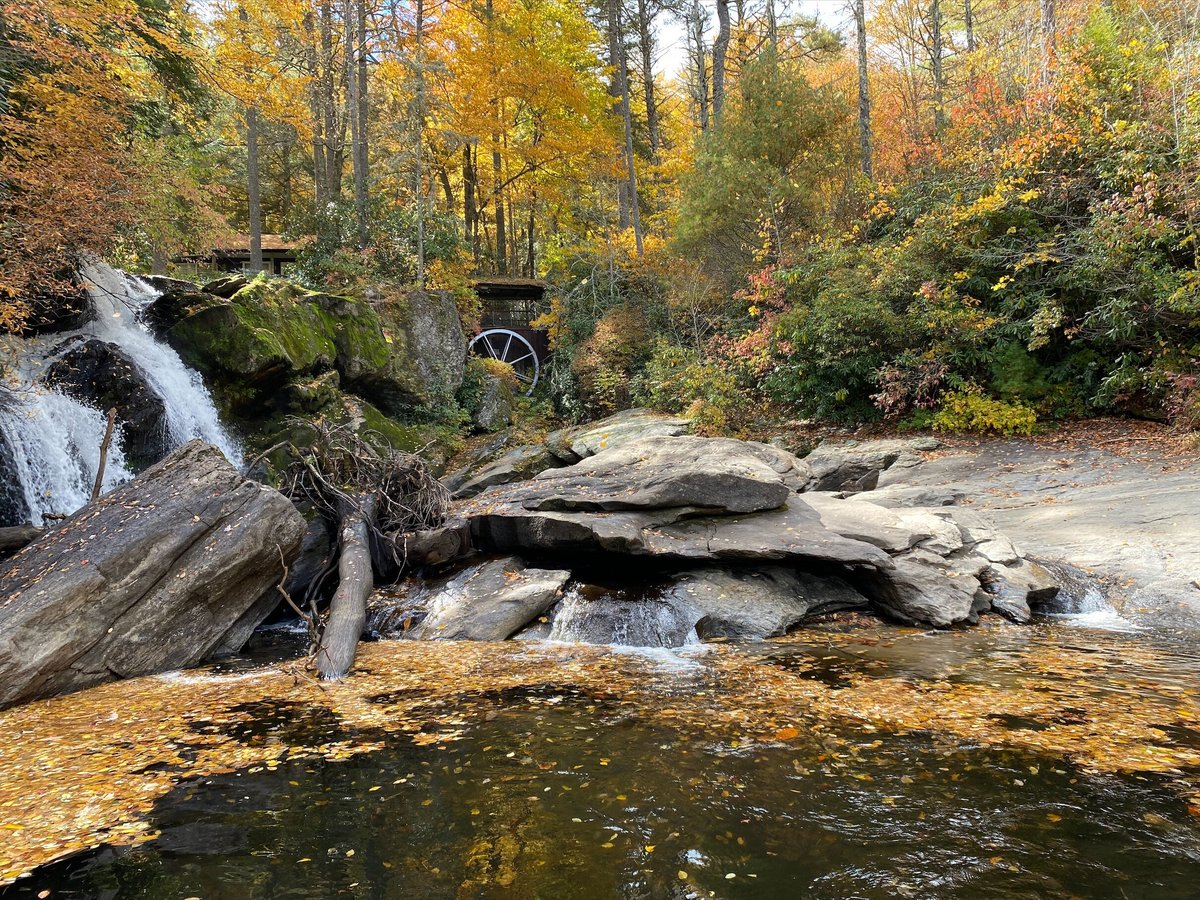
(970, 410)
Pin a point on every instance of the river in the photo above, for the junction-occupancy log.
(841, 761)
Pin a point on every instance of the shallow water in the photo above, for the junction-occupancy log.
(876, 763)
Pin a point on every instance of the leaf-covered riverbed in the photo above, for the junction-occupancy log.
(878, 762)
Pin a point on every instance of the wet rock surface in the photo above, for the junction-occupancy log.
(150, 577)
(488, 601)
(102, 375)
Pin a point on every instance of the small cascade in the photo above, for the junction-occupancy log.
(1081, 600)
(591, 614)
(50, 441)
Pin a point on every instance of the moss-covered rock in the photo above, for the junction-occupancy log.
(402, 353)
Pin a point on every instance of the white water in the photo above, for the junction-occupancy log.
(117, 299)
(606, 617)
(1081, 602)
(55, 443)
(55, 439)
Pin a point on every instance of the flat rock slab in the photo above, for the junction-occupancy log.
(717, 474)
(151, 577)
(791, 533)
(573, 444)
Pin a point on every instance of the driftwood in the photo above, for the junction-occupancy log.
(370, 491)
(14, 538)
(104, 445)
(356, 580)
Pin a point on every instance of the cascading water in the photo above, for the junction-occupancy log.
(1081, 600)
(118, 299)
(51, 441)
(595, 615)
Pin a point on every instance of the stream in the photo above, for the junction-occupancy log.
(1054, 760)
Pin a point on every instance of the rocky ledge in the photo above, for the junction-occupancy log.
(652, 536)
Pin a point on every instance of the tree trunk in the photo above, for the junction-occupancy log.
(646, 42)
(621, 89)
(937, 53)
(329, 127)
(350, 17)
(470, 215)
(969, 23)
(253, 190)
(1049, 35)
(864, 93)
(720, 52)
(348, 609)
(699, 54)
(313, 68)
(498, 207)
(419, 153)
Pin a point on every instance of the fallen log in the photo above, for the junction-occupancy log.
(356, 580)
(15, 537)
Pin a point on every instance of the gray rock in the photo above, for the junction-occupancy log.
(495, 407)
(791, 533)
(752, 604)
(103, 375)
(1013, 588)
(489, 602)
(518, 464)
(925, 589)
(150, 577)
(573, 444)
(856, 466)
(713, 474)
(951, 563)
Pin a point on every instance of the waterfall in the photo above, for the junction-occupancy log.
(53, 444)
(118, 300)
(50, 441)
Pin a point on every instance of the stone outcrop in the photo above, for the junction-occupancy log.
(857, 466)
(151, 577)
(501, 464)
(757, 603)
(950, 565)
(268, 348)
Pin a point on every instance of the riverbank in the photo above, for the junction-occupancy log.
(1119, 499)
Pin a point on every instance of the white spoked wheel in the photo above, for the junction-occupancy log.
(510, 347)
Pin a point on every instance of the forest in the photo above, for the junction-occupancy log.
(968, 216)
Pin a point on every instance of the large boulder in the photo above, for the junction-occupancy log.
(102, 375)
(399, 353)
(857, 466)
(151, 577)
(757, 603)
(792, 533)
(718, 475)
(950, 564)
(581, 441)
(519, 464)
